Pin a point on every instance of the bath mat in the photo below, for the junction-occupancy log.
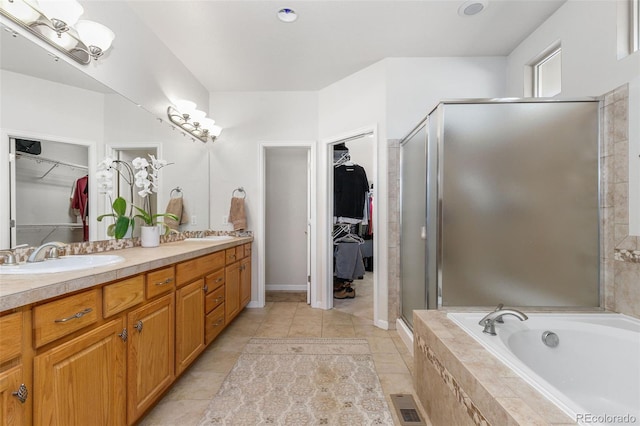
(289, 381)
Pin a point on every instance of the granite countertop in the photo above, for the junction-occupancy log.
(21, 290)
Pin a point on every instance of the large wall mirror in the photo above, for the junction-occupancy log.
(76, 120)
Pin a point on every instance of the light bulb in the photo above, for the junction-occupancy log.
(215, 131)
(67, 11)
(197, 116)
(207, 123)
(185, 107)
(95, 34)
(21, 10)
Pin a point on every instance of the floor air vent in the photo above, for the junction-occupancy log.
(407, 411)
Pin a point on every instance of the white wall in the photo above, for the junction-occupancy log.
(416, 85)
(587, 31)
(40, 109)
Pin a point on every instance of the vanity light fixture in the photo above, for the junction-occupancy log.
(57, 23)
(193, 121)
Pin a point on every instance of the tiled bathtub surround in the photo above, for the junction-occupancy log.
(459, 382)
(620, 258)
(89, 247)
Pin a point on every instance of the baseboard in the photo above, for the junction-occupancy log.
(405, 334)
(285, 287)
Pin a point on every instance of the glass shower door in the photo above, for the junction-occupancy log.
(413, 165)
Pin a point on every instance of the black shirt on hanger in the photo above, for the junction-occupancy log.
(350, 185)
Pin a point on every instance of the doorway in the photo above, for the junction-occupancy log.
(353, 172)
(52, 174)
(286, 228)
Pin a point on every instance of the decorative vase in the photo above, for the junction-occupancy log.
(150, 236)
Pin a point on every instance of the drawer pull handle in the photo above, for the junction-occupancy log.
(76, 315)
(165, 282)
(219, 279)
(219, 322)
(218, 299)
(21, 393)
(139, 326)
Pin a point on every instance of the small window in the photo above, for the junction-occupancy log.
(547, 75)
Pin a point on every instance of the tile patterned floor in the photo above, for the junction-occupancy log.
(186, 401)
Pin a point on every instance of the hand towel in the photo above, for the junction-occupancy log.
(175, 206)
(236, 214)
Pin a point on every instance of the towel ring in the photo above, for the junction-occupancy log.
(176, 189)
(241, 190)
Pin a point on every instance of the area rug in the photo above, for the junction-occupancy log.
(289, 381)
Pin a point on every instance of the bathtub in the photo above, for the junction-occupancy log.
(593, 374)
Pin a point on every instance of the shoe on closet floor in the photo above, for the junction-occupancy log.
(345, 293)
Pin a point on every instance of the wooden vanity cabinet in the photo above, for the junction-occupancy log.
(94, 364)
(231, 291)
(15, 403)
(245, 280)
(150, 358)
(237, 280)
(189, 324)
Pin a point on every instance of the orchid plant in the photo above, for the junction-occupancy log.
(141, 173)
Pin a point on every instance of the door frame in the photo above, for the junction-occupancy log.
(7, 188)
(380, 284)
(259, 237)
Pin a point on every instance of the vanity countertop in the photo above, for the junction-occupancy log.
(21, 290)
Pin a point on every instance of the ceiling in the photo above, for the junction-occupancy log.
(241, 46)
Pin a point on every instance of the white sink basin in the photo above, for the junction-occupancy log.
(63, 264)
(211, 238)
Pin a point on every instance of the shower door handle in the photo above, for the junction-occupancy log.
(423, 232)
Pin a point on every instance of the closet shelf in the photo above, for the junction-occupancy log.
(50, 225)
(54, 163)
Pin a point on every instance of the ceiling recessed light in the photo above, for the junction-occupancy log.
(472, 7)
(287, 15)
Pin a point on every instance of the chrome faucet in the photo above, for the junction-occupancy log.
(41, 253)
(9, 257)
(489, 321)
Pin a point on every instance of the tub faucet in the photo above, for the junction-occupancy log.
(489, 321)
(9, 257)
(40, 253)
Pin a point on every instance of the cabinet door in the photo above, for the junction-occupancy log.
(150, 360)
(189, 324)
(82, 382)
(11, 409)
(232, 291)
(245, 282)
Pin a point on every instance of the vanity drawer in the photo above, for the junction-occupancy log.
(247, 250)
(232, 255)
(196, 268)
(214, 299)
(215, 280)
(122, 295)
(160, 282)
(214, 324)
(61, 317)
(10, 336)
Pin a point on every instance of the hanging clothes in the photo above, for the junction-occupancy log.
(348, 261)
(80, 202)
(350, 186)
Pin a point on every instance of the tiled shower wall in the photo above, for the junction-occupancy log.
(620, 252)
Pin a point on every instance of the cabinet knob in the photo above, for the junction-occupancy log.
(21, 393)
(124, 335)
(206, 288)
(139, 326)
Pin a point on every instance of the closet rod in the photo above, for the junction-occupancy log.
(50, 161)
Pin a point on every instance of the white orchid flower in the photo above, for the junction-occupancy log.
(139, 163)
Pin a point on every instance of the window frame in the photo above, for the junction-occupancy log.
(544, 58)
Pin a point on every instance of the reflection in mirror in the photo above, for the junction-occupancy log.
(51, 192)
(48, 99)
